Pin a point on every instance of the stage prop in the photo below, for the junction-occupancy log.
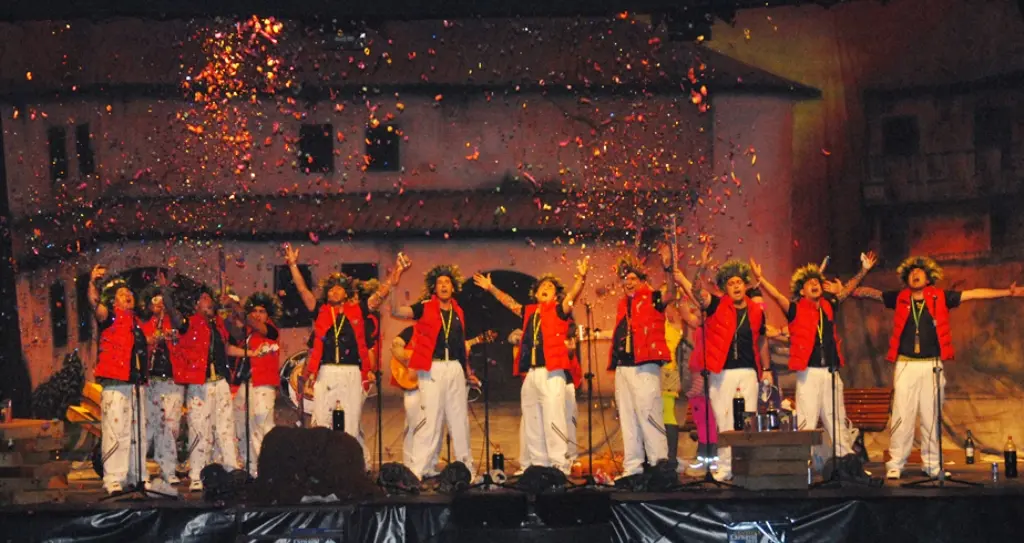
(770, 460)
(29, 472)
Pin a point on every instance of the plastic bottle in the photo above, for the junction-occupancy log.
(738, 408)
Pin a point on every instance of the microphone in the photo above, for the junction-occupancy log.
(579, 332)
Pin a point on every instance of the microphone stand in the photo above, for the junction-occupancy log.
(380, 398)
(247, 375)
(589, 481)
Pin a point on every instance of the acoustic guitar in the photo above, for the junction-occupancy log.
(406, 378)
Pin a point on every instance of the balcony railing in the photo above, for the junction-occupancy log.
(943, 177)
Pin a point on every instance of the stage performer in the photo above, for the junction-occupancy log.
(120, 367)
(440, 359)
(734, 348)
(162, 325)
(815, 348)
(637, 353)
(204, 348)
(920, 342)
(261, 335)
(339, 357)
(544, 359)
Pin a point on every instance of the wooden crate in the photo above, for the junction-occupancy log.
(770, 460)
(28, 475)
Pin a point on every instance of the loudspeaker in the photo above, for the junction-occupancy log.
(537, 479)
(297, 462)
(582, 507)
(491, 510)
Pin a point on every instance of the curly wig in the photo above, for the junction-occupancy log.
(109, 291)
(267, 301)
(442, 270)
(145, 298)
(554, 280)
(931, 269)
(630, 264)
(730, 269)
(189, 297)
(367, 288)
(337, 279)
(804, 274)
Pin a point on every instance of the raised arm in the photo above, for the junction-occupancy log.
(484, 282)
(291, 258)
(577, 286)
(170, 308)
(669, 258)
(867, 293)
(782, 301)
(99, 310)
(867, 261)
(693, 289)
(990, 293)
(402, 263)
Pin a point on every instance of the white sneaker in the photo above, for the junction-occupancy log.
(112, 488)
(195, 486)
(934, 474)
(893, 474)
(147, 485)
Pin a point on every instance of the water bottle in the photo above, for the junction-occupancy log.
(1010, 456)
(338, 419)
(969, 448)
(773, 417)
(738, 408)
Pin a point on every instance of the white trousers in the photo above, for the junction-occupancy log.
(544, 418)
(913, 395)
(211, 422)
(163, 422)
(814, 404)
(120, 443)
(261, 421)
(415, 421)
(641, 417)
(723, 389)
(340, 385)
(445, 399)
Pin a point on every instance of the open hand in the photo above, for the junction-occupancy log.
(868, 260)
(483, 281)
(291, 255)
(755, 268)
(99, 271)
(582, 266)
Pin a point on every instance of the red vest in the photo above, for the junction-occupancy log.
(425, 331)
(721, 328)
(322, 326)
(116, 344)
(554, 333)
(804, 329)
(935, 301)
(266, 369)
(647, 327)
(575, 371)
(190, 359)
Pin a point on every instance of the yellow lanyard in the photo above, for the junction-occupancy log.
(447, 328)
(212, 358)
(629, 325)
(735, 338)
(917, 323)
(337, 326)
(821, 326)
(536, 335)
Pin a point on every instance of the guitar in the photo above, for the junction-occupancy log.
(406, 378)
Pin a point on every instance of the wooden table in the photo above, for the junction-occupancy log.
(770, 460)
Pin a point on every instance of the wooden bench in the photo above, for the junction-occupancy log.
(867, 408)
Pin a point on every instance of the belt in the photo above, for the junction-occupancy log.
(902, 358)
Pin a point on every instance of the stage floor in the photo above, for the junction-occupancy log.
(887, 513)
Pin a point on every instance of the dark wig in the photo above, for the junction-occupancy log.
(554, 280)
(931, 269)
(443, 270)
(630, 264)
(267, 301)
(730, 269)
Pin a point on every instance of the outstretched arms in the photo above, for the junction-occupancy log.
(781, 300)
(990, 293)
(402, 263)
(484, 282)
(867, 261)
